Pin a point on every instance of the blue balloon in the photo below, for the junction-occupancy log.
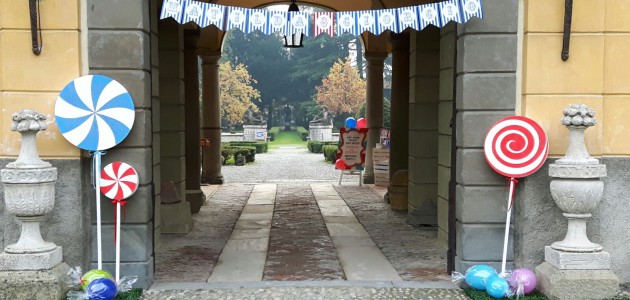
(101, 289)
(497, 287)
(477, 275)
(351, 123)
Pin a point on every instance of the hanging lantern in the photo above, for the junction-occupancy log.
(294, 40)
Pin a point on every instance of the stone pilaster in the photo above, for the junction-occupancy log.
(194, 195)
(374, 107)
(399, 113)
(211, 118)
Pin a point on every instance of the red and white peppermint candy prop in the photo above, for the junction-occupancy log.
(119, 181)
(515, 147)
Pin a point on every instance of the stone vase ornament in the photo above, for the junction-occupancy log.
(576, 185)
(29, 185)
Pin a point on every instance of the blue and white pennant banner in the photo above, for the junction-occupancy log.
(355, 22)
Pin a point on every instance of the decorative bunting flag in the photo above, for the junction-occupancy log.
(347, 23)
(258, 19)
(324, 23)
(471, 8)
(237, 18)
(366, 21)
(172, 9)
(299, 23)
(279, 22)
(192, 12)
(213, 15)
(408, 18)
(331, 23)
(429, 14)
(449, 11)
(386, 21)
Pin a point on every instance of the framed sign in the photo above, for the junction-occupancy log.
(261, 135)
(352, 147)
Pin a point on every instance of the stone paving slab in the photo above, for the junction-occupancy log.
(336, 211)
(238, 234)
(347, 219)
(331, 203)
(366, 263)
(255, 244)
(252, 224)
(346, 229)
(256, 217)
(239, 266)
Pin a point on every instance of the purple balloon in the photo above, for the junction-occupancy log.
(523, 281)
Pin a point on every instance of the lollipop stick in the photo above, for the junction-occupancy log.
(117, 241)
(97, 176)
(507, 224)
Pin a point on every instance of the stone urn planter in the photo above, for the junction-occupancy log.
(576, 186)
(29, 185)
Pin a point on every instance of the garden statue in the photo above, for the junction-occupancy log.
(253, 117)
(322, 119)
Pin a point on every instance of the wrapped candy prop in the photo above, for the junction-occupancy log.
(96, 285)
(476, 276)
(522, 281)
(498, 287)
(93, 275)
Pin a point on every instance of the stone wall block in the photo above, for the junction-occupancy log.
(173, 144)
(486, 53)
(137, 83)
(118, 14)
(443, 179)
(447, 46)
(424, 89)
(423, 144)
(119, 49)
(140, 134)
(486, 91)
(173, 168)
(474, 126)
(482, 242)
(140, 158)
(155, 86)
(156, 113)
(175, 120)
(462, 266)
(482, 204)
(139, 208)
(136, 242)
(472, 169)
(157, 153)
(171, 63)
(446, 84)
(424, 170)
(423, 116)
(444, 150)
(500, 16)
(446, 114)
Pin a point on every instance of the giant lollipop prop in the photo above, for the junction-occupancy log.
(95, 113)
(119, 181)
(515, 147)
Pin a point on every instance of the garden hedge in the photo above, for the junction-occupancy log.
(273, 132)
(261, 147)
(303, 133)
(330, 152)
(316, 146)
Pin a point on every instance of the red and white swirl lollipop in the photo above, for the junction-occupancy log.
(516, 147)
(119, 181)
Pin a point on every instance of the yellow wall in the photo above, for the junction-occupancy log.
(597, 72)
(31, 81)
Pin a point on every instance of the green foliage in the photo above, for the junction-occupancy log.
(482, 295)
(316, 146)
(288, 138)
(133, 294)
(227, 151)
(387, 107)
(330, 152)
(302, 132)
(273, 133)
(261, 147)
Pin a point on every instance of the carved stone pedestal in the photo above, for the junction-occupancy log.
(322, 133)
(36, 285)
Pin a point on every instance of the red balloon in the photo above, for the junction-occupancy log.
(340, 164)
(361, 123)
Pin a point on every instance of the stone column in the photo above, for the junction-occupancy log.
(576, 268)
(374, 107)
(194, 195)
(211, 118)
(399, 113)
(31, 268)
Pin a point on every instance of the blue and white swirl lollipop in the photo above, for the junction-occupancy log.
(94, 112)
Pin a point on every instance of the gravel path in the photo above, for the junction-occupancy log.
(286, 164)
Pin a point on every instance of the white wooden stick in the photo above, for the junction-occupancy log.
(117, 242)
(507, 225)
(97, 176)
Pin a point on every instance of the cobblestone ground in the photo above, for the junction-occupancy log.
(286, 164)
(299, 245)
(311, 293)
(412, 251)
(191, 257)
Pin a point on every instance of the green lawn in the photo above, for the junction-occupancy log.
(287, 138)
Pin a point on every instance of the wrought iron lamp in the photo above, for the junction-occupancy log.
(294, 40)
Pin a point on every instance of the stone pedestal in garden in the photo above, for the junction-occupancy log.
(31, 268)
(252, 133)
(576, 268)
(322, 133)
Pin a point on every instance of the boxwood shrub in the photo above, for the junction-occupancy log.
(303, 133)
(273, 132)
(261, 147)
(330, 152)
(316, 146)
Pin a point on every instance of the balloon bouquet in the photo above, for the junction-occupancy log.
(515, 147)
